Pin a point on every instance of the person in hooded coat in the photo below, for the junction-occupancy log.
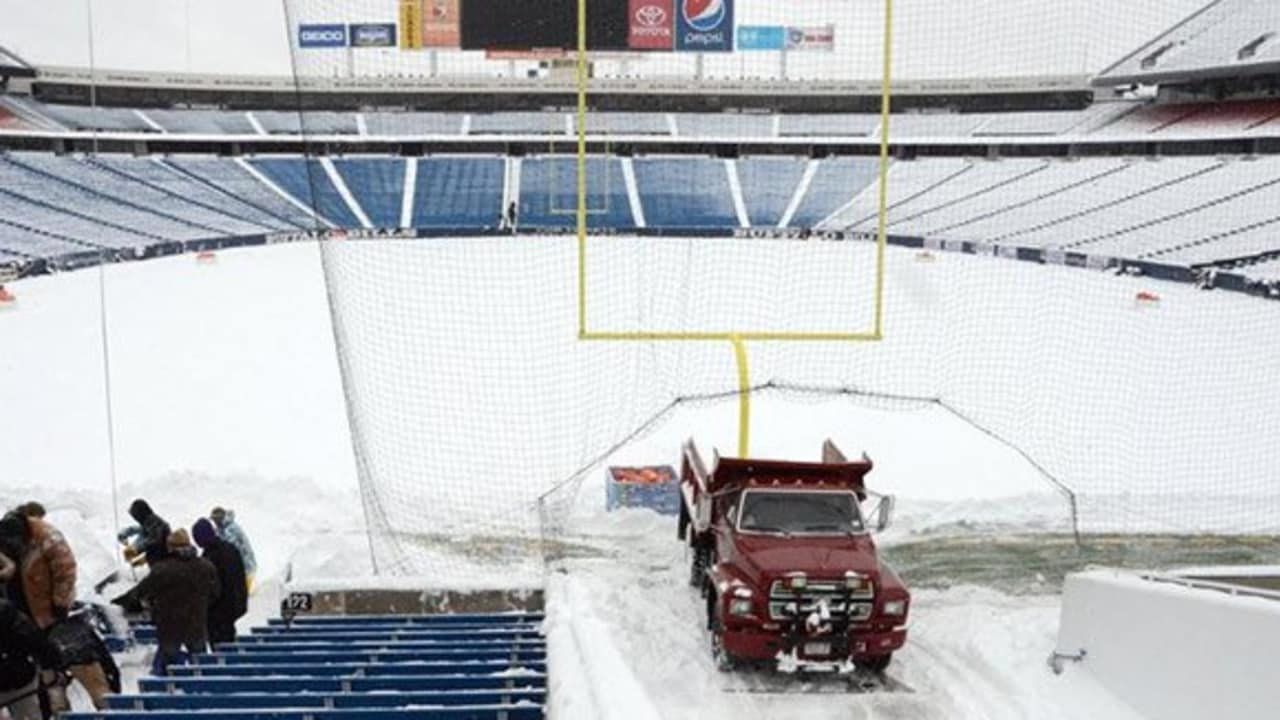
(146, 539)
(23, 651)
(179, 590)
(233, 602)
(45, 590)
(230, 530)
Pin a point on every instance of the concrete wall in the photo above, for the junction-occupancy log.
(1174, 652)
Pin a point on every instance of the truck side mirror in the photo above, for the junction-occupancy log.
(884, 512)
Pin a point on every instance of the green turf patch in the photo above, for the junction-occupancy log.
(1023, 564)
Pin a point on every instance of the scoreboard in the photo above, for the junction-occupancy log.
(539, 24)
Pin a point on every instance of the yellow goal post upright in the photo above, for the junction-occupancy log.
(740, 337)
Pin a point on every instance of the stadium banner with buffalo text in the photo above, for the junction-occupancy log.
(704, 25)
(651, 24)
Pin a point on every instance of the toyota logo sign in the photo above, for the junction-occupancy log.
(651, 16)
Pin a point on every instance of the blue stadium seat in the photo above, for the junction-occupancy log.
(475, 666)
(460, 192)
(398, 683)
(768, 184)
(378, 186)
(414, 620)
(835, 183)
(308, 183)
(685, 193)
(460, 712)
(549, 193)
(338, 700)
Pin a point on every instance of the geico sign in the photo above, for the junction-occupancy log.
(322, 36)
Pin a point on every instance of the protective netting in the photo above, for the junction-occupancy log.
(481, 420)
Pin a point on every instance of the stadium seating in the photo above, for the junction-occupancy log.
(685, 193)
(1237, 36)
(356, 668)
(768, 186)
(202, 122)
(310, 184)
(519, 123)
(1110, 119)
(379, 184)
(1182, 210)
(458, 192)
(549, 193)
(413, 123)
(232, 179)
(836, 182)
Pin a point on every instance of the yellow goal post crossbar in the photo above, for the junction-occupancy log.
(737, 337)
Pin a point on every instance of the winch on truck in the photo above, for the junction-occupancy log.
(783, 555)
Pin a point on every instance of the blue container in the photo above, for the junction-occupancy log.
(655, 487)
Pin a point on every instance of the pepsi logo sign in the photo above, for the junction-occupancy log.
(703, 15)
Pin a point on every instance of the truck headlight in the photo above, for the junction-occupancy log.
(857, 582)
(740, 607)
(896, 608)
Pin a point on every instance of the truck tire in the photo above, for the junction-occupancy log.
(699, 561)
(723, 661)
(877, 663)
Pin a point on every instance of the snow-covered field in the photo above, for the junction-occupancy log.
(226, 391)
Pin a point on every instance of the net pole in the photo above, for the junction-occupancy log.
(582, 169)
(882, 200)
(744, 396)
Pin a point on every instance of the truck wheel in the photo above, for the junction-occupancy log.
(724, 662)
(698, 563)
(877, 663)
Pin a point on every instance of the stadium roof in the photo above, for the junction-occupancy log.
(1225, 39)
(13, 66)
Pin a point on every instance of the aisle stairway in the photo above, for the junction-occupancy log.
(478, 667)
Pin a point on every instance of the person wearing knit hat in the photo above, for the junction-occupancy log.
(179, 590)
(233, 602)
(148, 539)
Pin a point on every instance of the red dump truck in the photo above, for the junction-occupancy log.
(783, 555)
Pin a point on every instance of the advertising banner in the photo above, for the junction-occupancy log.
(441, 24)
(762, 37)
(372, 35)
(652, 24)
(822, 37)
(411, 24)
(322, 36)
(531, 54)
(704, 25)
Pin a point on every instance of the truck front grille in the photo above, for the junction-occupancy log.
(785, 603)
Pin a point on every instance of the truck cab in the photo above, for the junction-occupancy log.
(783, 556)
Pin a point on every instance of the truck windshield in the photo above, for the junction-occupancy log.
(811, 513)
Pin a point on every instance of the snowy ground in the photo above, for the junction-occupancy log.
(226, 391)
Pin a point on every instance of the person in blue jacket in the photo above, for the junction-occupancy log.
(231, 532)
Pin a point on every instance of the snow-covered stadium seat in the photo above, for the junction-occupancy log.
(685, 192)
(458, 192)
(548, 193)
